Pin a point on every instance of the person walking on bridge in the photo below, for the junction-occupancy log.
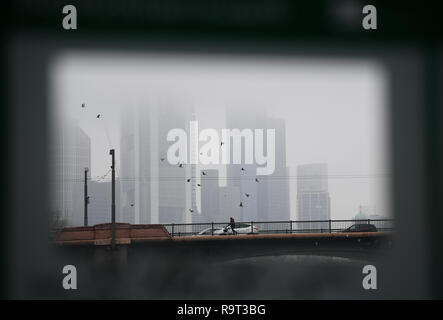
(232, 224)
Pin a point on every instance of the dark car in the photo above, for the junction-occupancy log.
(361, 227)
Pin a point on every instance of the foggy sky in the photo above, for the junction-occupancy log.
(335, 110)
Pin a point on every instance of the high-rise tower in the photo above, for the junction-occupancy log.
(313, 200)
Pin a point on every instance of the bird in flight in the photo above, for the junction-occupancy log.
(221, 143)
(83, 105)
(247, 194)
(132, 204)
(188, 180)
(256, 180)
(241, 204)
(203, 173)
(181, 165)
(190, 210)
(162, 159)
(242, 169)
(198, 185)
(98, 116)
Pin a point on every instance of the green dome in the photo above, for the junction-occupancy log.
(360, 216)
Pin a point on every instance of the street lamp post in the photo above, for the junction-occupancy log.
(112, 153)
(86, 199)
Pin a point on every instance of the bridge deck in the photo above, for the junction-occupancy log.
(70, 238)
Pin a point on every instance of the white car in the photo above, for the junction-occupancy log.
(240, 228)
(207, 232)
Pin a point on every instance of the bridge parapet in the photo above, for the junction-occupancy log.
(100, 234)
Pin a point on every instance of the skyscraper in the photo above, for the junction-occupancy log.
(210, 196)
(273, 189)
(267, 199)
(313, 200)
(159, 190)
(136, 158)
(174, 192)
(70, 155)
(99, 209)
(229, 199)
(243, 175)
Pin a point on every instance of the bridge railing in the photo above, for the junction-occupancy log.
(276, 227)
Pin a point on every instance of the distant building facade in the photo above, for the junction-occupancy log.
(70, 154)
(174, 193)
(229, 199)
(158, 190)
(100, 198)
(273, 190)
(262, 198)
(368, 212)
(210, 195)
(313, 200)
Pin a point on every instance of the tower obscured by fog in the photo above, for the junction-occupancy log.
(100, 198)
(274, 191)
(158, 190)
(174, 192)
(269, 198)
(70, 155)
(229, 199)
(244, 180)
(210, 196)
(313, 201)
(136, 159)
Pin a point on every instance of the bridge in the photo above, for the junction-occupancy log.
(135, 242)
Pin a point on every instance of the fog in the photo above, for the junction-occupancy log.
(335, 110)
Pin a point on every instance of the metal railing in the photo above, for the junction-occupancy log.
(276, 227)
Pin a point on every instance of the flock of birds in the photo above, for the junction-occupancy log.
(204, 173)
(180, 165)
(84, 106)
